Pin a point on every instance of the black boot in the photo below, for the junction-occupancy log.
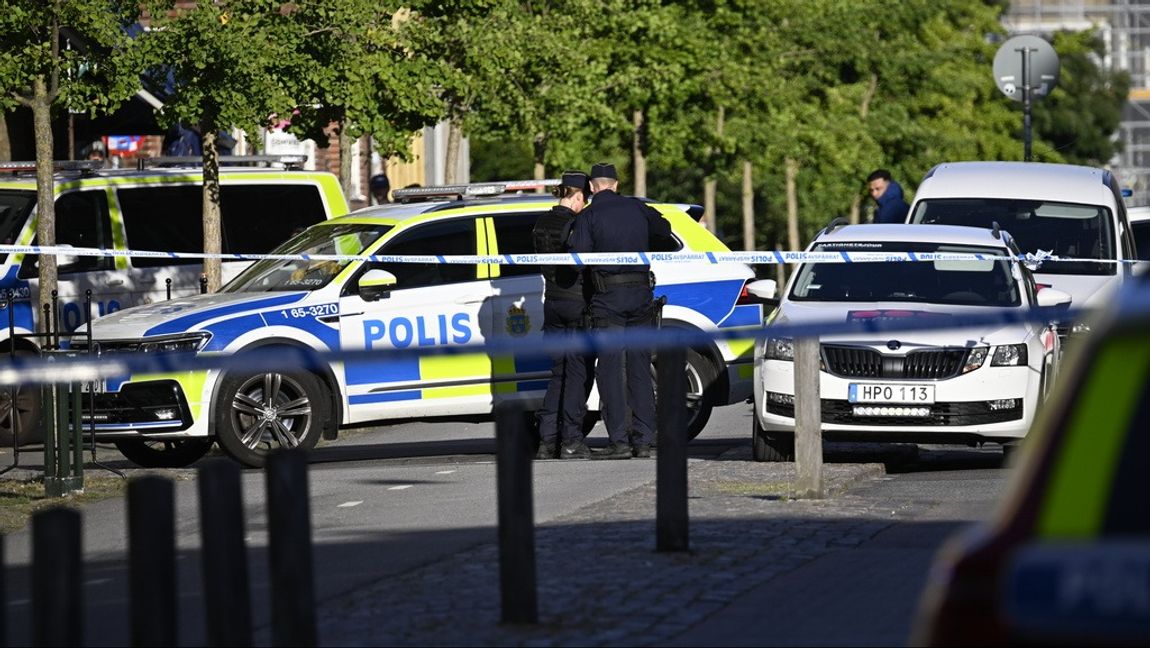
(574, 450)
(613, 451)
(546, 451)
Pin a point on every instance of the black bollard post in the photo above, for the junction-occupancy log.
(3, 597)
(203, 284)
(225, 557)
(515, 498)
(671, 460)
(56, 577)
(289, 550)
(168, 285)
(152, 560)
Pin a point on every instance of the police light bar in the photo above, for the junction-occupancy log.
(57, 165)
(286, 161)
(460, 191)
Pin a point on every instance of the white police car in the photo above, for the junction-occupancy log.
(172, 419)
(965, 385)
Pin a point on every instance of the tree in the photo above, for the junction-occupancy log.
(56, 54)
(357, 70)
(229, 65)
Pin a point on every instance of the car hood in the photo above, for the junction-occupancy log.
(835, 312)
(180, 315)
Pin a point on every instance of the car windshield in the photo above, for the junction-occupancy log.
(14, 209)
(308, 274)
(1063, 229)
(969, 283)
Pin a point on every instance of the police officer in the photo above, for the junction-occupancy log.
(622, 299)
(564, 310)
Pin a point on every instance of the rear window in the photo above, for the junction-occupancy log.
(254, 219)
(1063, 229)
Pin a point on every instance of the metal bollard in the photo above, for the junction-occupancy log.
(57, 612)
(152, 560)
(63, 443)
(224, 557)
(289, 550)
(671, 514)
(3, 597)
(203, 284)
(517, 585)
(168, 285)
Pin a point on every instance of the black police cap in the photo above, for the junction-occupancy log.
(604, 170)
(576, 179)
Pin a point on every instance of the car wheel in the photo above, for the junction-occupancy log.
(262, 411)
(163, 453)
(701, 374)
(23, 413)
(766, 447)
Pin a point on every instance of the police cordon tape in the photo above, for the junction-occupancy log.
(577, 259)
(84, 367)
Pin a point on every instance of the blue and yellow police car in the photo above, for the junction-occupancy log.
(295, 301)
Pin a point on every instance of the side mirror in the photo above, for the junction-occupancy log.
(764, 289)
(375, 284)
(1048, 297)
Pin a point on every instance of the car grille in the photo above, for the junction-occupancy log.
(862, 362)
(941, 414)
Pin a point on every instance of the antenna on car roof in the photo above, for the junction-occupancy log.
(474, 190)
(835, 224)
(995, 230)
(278, 161)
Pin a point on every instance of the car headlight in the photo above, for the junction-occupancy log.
(974, 359)
(780, 349)
(1009, 355)
(182, 344)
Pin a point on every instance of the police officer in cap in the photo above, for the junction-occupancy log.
(623, 298)
(564, 309)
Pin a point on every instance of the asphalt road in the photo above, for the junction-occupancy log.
(386, 500)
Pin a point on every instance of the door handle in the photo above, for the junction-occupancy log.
(115, 282)
(470, 300)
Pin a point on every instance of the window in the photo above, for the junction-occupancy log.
(253, 218)
(514, 236)
(14, 209)
(456, 236)
(81, 221)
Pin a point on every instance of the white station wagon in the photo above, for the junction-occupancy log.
(966, 385)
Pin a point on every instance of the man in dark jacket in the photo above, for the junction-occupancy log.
(564, 311)
(623, 299)
(887, 194)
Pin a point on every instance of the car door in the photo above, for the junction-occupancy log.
(431, 305)
(82, 221)
(517, 295)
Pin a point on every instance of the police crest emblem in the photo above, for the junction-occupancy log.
(518, 323)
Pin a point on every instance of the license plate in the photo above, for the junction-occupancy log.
(876, 393)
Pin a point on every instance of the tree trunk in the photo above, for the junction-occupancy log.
(792, 171)
(856, 209)
(212, 268)
(638, 152)
(539, 148)
(748, 207)
(451, 156)
(45, 194)
(345, 156)
(5, 140)
(710, 185)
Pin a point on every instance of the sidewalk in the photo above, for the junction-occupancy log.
(600, 581)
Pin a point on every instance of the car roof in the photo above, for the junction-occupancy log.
(1138, 214)
(1028, 180)
(903, 233)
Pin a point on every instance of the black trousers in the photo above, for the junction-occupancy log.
(565, 404)
(626, 391)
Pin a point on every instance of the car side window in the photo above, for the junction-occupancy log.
(455, 236)
(254, 219)
(513, 234)
(81, 221)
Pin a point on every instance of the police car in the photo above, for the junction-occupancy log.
(966, 385)
(357, 304)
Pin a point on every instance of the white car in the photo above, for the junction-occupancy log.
(966, 385)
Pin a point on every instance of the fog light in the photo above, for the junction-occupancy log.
(780, 399)
(165, 414)
(1003, 404)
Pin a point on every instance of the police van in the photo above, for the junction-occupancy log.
(157, 206)
(305, 303)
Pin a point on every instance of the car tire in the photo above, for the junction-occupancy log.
(258, 412)
(701, 375)
(767, 447)
(163, 453)
(25, 415)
